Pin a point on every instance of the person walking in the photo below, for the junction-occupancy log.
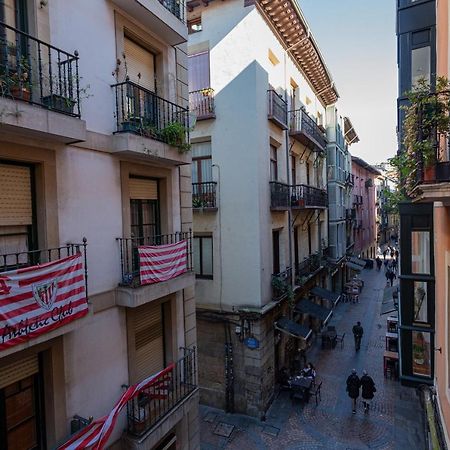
(394, 265)
(391, 276)
(353, 385)
(396, 255)
(358, 332)
(368, 390)
(384, 253)
(379, 263)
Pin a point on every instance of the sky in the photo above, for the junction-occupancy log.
(357, 40)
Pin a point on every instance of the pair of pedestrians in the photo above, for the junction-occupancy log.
(354, 383)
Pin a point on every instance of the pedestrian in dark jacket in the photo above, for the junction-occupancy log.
(384, 254)
(353, 384)
(379, 263)
(391, 276)
(358, 332)
(368, 389)
(396, 254)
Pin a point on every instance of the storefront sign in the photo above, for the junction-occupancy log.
(38, 299)
(251, 342)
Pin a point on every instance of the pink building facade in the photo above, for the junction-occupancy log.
(364, 208)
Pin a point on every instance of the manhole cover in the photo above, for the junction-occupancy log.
(223, 429)
(210, 417)
(272, 431)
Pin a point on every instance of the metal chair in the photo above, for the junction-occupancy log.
(316, 392)
(340, 338)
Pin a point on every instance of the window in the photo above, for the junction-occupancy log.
(420, 252)
(276, 251)
(307, 100)
(420, 64)
(201, 162)
(273, 164)
(198, 70)
(203, 257)
(421, 343)
(141, 68)
(272, 58)
(294, 171)
(420, 302)
(195, 25)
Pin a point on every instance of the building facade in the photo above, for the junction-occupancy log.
(259, 195)
(92, 95)
(364, 202)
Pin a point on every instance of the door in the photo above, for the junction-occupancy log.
(276, 251)
(296, 258)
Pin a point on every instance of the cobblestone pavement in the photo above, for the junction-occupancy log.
(394, 422)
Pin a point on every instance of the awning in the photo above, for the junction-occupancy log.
(306, 306)
(293, 329)
(389, 293)
(388, 307)
(353, 266)
(358, 261)
(326, 294)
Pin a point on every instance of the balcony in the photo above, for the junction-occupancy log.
(38, 74)
(337, 174)
(282, 284)
(308, 197)
(201, 102)
(350, 180)
(304, 129)
(305, 270)
(277, 109)
(279, 196)
(133, 291)
(148, 125)
(204, 196)
(164, 397)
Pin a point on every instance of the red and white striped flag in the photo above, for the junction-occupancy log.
(97, 433)
(35, 300)
(162, 262)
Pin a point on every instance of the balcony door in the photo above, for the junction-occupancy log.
(199, 77)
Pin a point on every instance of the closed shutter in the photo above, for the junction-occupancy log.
(143, 189)
(198, 70)
(14, 372)
(140, 61)
(149, 345)
(15, 195)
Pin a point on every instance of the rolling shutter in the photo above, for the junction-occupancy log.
(149, 345)
(143, 189)
(140, 61)
(17, 371)
(15, 195)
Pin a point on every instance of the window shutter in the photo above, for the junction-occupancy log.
(15, 195)
(17, 371)
(198, 70)
(149, 347)
(143, 189)
(140, 61)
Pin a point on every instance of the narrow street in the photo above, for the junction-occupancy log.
(395, 419)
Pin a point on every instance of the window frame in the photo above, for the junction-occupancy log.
(273, 163)
(202, 275)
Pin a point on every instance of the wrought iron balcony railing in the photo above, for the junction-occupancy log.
(176, 7)
(204, 195)
(303, 196)
(277, 109)
(281, 284)
(307, 268)
(153, 404)
(305, 129)
(129, 256)
(201, 102)
(140, 111)
(350, 180)
(279, 196)
(38, 73)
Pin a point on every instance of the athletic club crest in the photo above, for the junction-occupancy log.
(45, 294)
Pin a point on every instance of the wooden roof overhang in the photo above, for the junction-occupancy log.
(288, 23)
(350, 134)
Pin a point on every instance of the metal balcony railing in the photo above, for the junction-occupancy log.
(304, 127)
(153, 404)
(277, 109)
(204, 195)
(129, 257)
(281, 284)
(176, 7)
(279, 195)
(201, 102)
(140, 111)
(306, 268)
(350, 180)
(303, 196)
(38, 73)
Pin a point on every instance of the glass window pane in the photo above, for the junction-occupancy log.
(420, 302)
(194, 172)
(206, 168)
(420, 252)
(201, 149)
(196, 250)
(420, 64)
(421, 353)
(207, 249)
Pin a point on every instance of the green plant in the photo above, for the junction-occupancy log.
(175, 134)
(16, 77)
(198, 203)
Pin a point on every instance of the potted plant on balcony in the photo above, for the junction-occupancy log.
(175, 134)
(16, 81)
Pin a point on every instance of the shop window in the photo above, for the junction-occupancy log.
(421, 363)
(420, 252)
(420, 65)
(203, 257)
(420, 302)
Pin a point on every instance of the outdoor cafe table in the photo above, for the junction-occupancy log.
(302, 384)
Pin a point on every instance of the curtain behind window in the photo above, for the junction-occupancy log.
(199, 71)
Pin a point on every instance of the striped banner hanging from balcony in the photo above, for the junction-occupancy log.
(95, 436)
(35, 300)
(162, 262)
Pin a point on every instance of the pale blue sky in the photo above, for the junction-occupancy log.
(357, 39)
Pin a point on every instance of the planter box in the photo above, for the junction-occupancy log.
(59, 103)
(131, 125)
(20, 93)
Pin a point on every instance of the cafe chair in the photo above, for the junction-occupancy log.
(315, 391)
(340, 338)
(298, 394)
